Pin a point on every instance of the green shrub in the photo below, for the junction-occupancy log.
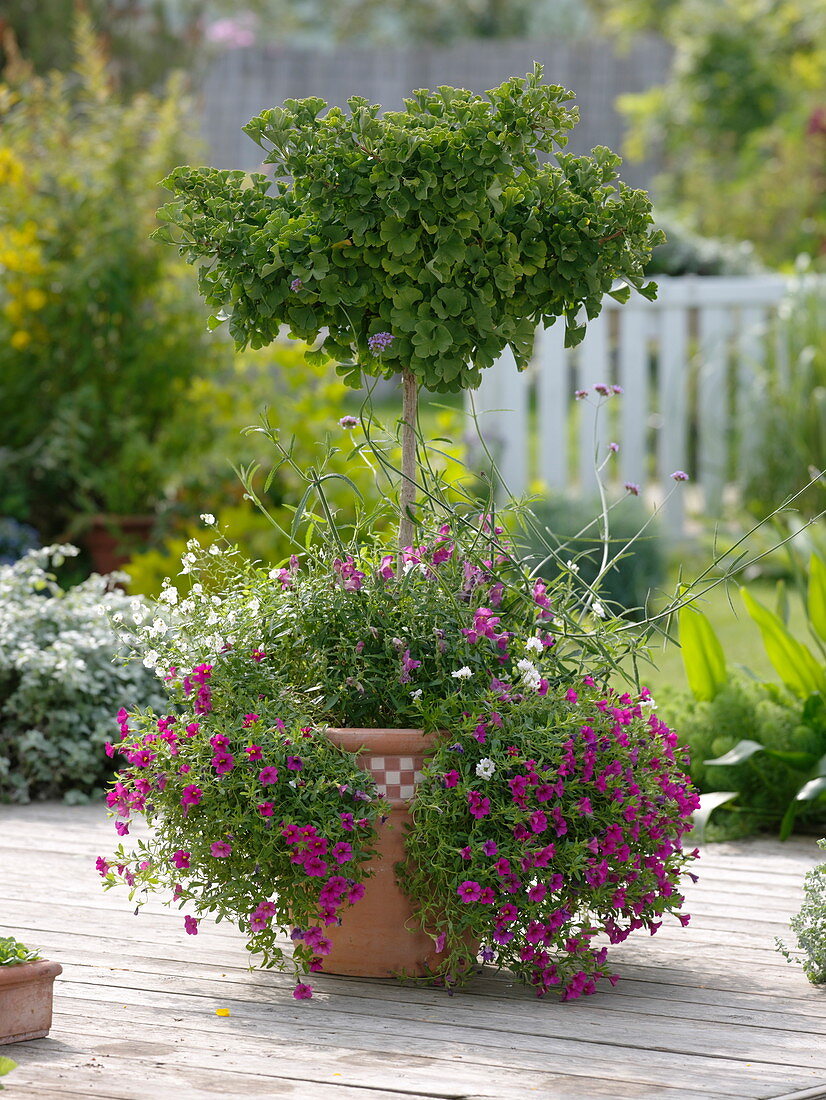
(60, 679)
(809, 925)
(638, 572)
(747, 709)
(101, 340)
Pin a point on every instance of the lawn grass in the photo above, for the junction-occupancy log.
(738, 634)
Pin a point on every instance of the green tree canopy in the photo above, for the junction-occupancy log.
(436, 225)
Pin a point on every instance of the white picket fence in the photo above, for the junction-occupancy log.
(689, 365)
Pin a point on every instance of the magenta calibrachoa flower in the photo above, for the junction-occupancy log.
(579, 834)
(232, 837)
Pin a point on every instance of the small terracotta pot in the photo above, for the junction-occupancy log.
(379, 937)
(112, 540)
(26, 1000)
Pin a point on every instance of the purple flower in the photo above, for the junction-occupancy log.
(679, 475)
(632, 488)
(102, 866)
(379, 341)
(580, 395)
(180, 859)
(469, 891)
(348, 422)
(296, 285)
(191, 796)
(191, 926)
(613, 448)
(294, 763)
(220, 849)
(303, 992)
(268, 775)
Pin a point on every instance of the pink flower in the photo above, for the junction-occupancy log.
(220, 849)
(294, 763)
(315, 867)
(347, 422)
(342, 852)
(180, 859)
(266, 809)
(191, 926)
(121, 828)
(192, 728)
(268, 775)
(258, 654)
(254, 752)
(223, 762)
(451, 778)
(191, 795)
(102, 866)
(250, 719)
(469, 891)
(303, 992)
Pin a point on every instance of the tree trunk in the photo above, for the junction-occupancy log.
(407, 490)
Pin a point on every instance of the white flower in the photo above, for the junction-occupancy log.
(648, 703)
(417, 694)
(253, 605)
(462, 673)
(530, 675)
(597, 609)
(572, 566)
(533, 645)
(485, 768)
(197, 588)
(151, 659)
(158, 627)
(208, 519)
(169, 594)
(215, 550)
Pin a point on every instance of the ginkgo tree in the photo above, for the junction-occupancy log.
(416, 243)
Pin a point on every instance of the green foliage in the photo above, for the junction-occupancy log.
(436, 224)
(6, 1066)
(740, 121)
(100, 335)
(809, 925)
(13, 952)
(61, 678)
(686, 253)
(760, 713)
(791, 420)
(567, 526)
(767, 742)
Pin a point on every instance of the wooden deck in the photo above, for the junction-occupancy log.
(707, 1011)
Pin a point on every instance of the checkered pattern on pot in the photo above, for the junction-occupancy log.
(395, 776)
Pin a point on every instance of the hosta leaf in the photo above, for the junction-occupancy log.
(743, 750)
(708, 804)
(793, 661)
(703, 657)
(816, 602)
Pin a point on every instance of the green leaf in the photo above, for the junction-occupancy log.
(743, 750)
(703, 657)
(816, 601)
(793, 661)
(6, 1066)
(708, 804)
(812, 790)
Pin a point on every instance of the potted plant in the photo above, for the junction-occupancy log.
(549, 808)
(26, 989)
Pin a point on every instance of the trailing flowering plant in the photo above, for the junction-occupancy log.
(552, 810)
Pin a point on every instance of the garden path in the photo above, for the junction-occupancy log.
(710, 1011)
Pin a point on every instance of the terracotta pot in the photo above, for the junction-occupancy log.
(26, 1000)
(112, 540)
(378, 936)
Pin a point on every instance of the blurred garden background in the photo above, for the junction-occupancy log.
(123, 414)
